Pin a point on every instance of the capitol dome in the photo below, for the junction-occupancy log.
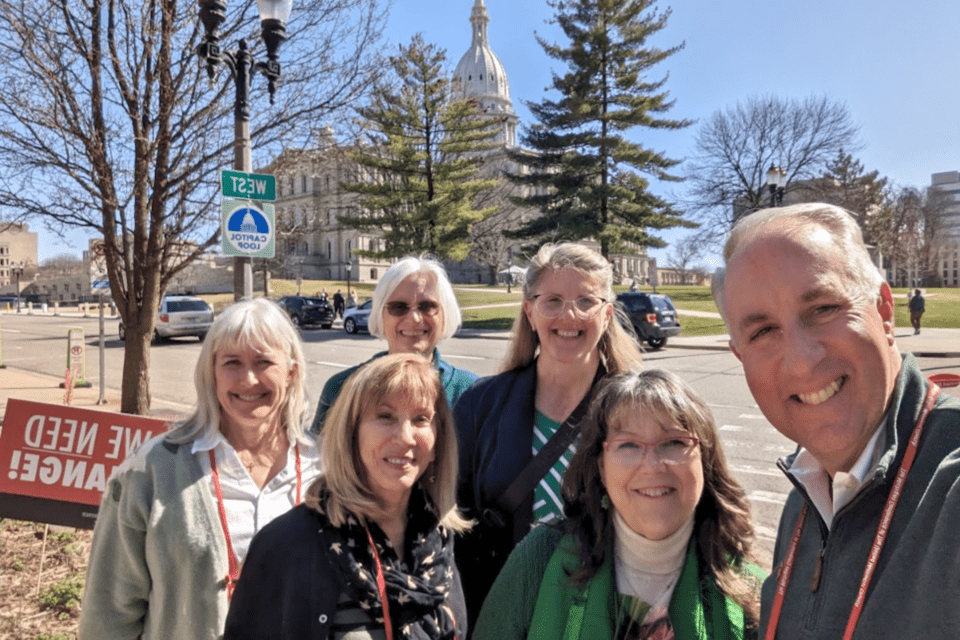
(481, 75)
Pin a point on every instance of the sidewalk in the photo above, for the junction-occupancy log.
(40, 387)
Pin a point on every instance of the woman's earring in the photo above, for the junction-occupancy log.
(605, 501)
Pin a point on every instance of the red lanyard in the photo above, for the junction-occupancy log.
(381, 586)
(882, 529)
(233, 573)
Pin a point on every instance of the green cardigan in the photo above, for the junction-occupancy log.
(558, 609)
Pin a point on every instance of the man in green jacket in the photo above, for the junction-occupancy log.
(867, 540)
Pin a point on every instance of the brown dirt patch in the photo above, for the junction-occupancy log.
(52, 614)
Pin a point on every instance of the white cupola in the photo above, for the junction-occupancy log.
(481, 75)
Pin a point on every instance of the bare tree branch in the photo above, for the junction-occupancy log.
(735, 148)
(108, 123)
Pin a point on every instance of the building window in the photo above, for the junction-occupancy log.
(303, 182)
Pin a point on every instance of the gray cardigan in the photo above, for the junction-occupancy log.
(916, 586)
(158, 562)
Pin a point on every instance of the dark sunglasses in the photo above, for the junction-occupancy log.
(425, 308)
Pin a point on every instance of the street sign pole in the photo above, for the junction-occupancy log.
(242, 161)
(103, 369)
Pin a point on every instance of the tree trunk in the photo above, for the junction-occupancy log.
(135, 389)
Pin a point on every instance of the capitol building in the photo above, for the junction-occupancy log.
(310, 240)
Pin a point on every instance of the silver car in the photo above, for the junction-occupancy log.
(179, 316)
(357, 318)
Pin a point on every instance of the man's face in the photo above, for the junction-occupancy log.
(820, 364)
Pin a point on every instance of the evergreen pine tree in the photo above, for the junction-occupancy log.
(584, 174)
(419, 160)
(846, 184)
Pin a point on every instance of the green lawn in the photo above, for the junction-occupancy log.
(943, 305)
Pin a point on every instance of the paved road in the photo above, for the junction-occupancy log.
(34, 351)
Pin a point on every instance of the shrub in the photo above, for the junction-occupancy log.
(63, 596)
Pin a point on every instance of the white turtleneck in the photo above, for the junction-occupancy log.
(648, 569)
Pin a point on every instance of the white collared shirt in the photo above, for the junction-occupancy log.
(248, 507)
(846, 484)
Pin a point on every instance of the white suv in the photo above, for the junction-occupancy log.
(179, 316)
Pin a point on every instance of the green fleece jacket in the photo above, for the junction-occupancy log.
(534, 599)
(915, 589)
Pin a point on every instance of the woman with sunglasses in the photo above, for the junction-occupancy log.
(565, 340)
(413, 309)
(657, 536)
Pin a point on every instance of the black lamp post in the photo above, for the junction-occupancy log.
(776, 180)
(18, 271)
(273, 18)
(348, 278)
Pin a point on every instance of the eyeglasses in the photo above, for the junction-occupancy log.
(584, 307)
(427, 308)
(628, 452)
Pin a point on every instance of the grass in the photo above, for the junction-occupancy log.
(943, 308)
(943, 305)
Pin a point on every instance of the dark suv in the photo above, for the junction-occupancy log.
(304, 311)
(653, 316)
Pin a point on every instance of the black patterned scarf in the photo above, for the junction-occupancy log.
(417, 588)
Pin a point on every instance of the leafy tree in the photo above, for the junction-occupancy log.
(419, 158)
(736, 147)
(584, 174)
(108, 123)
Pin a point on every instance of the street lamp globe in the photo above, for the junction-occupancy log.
(776, 180)
(274, 9)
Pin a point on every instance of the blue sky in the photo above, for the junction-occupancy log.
(893, 64)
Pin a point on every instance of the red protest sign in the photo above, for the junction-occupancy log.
(64, 454)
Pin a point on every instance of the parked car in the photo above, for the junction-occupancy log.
(652, 315)
(357, 318)
(305, 311)
(179, 316)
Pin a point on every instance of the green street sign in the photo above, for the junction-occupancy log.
(250, 186)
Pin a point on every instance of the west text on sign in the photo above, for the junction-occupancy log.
(251, 186)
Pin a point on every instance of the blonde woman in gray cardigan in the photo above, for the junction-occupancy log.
(179, 514)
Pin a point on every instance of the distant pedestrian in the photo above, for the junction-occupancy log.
(322, 294)
(338, 304)
(351, 300)
(917, 307)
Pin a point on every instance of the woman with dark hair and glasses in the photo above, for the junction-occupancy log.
(413, 309)
(565, 340)
(657, 537)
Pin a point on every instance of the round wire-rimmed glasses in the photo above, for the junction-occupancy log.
(628, 452)
(584, 307)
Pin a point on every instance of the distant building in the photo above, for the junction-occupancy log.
(481, 75)
(311, 241)
(18, 247)
(948, 263)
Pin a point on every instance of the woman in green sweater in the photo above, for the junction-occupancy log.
(657, 533)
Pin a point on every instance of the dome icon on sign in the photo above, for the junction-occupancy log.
(248, 220)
